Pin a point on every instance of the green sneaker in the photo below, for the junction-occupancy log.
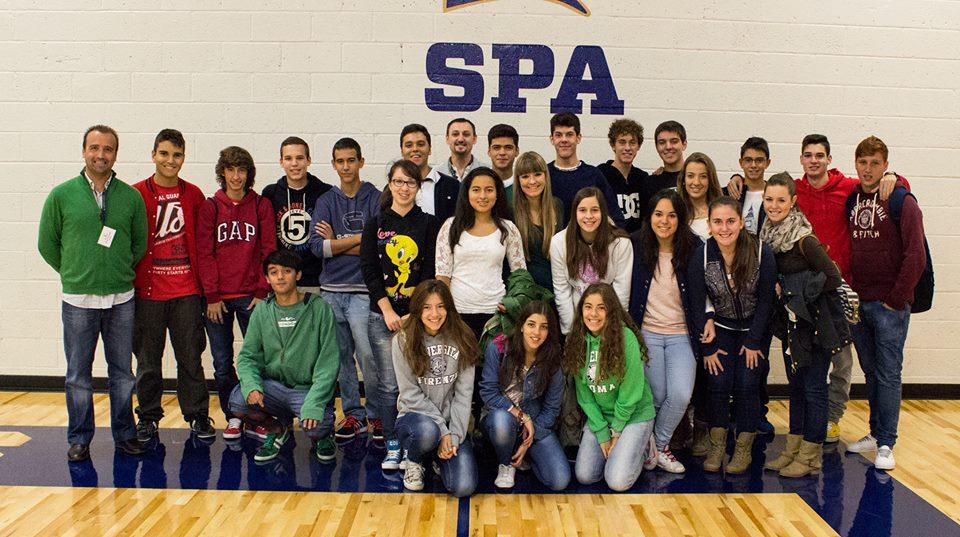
(271, 445)
(325, 450)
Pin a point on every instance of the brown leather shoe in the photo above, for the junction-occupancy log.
(131, 447)
(78, 452)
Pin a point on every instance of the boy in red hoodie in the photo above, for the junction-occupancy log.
(886, 261)
(235, 235)
(168, 293)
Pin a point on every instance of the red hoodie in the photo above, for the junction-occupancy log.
(233, 239)
(826, 209)
(149, 284)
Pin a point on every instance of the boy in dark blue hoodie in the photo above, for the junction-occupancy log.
(337, 225)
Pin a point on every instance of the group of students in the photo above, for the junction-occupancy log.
(599, 303)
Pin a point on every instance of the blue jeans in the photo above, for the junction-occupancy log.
(81, 329)
(879, 337)
(736, 380)
(221, 346)
(381, 369)
(352, 311)
(546, 456)
(284, 404)
(420, 436)
(622, 469)
(670, 372)
(808, 397)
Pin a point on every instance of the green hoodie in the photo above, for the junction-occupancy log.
(70, 225)
(611, 403)
(295, 345)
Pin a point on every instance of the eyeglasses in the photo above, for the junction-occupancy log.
(401, 183)
(750, 161)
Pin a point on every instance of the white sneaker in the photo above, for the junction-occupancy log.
(651, 461)
(669, 463)
(403, 461)
(505, 475)
(884, 460)
(413, 476)
(867, 443)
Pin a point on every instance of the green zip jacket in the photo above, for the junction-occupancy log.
(70, 226)
(295, 345)
(614, 403)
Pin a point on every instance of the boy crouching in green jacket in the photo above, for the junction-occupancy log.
(289, 363)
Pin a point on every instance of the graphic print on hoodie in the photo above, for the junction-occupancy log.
(346, 215)
(292, 209)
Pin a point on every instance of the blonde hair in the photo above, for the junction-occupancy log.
(532, 162)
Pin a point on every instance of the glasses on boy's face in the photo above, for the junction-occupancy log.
(751, 161)
(399, 183)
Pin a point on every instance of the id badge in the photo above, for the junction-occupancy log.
(106, 236)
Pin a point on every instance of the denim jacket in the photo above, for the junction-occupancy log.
(543, 410)
(640, 289)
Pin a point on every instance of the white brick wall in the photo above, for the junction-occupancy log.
(252, 72)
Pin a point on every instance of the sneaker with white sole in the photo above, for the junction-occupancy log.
(833, 433)
(669, 463)
(867, 443)
(884, 460)
(256, 431)
(404, 461)
(413, 476)
(392, 460)
(651, 460)
(505, 475)
(234, 429)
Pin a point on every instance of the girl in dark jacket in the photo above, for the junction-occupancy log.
(739, 275)
(797, 249)
(522, 386)
(660, 304)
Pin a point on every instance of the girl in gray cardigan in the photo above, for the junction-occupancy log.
(435, 355)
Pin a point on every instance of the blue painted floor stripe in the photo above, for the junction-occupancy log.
(463, 518)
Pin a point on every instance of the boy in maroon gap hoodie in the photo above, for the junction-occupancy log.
(887, 258)
(235, 235)
(168, 293)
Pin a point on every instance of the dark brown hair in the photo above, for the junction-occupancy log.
(713, 183)
(745, 261)
(409, 168)
(684, 241)
(611, 361)
(239, 157)
(454, 331)
(579, 253)
(549, 356)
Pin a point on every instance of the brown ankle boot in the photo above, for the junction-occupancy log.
(808, 461)
(701, 439)
(718, 448)
(787, 455)
(742, 454)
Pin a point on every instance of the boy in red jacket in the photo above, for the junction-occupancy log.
(887, 258)
(168, 293)
(235, 235)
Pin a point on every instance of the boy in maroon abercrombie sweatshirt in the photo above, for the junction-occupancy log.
(235, 235)
(887, 259)
(169, 293)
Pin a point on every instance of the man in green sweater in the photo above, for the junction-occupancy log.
(93, 231)
(289, 363)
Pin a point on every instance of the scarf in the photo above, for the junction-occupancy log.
(782, 236)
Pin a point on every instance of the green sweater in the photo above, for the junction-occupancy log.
(70, 227)
(611, 403)
(294, 345)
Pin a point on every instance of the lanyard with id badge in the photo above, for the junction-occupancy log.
(107, 233)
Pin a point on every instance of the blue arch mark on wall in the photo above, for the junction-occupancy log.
(575, 5)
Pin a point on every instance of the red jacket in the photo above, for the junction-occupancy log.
(887, 259)
(191, 198)
(233, 240)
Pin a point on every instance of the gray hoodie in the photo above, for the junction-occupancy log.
(443, 394)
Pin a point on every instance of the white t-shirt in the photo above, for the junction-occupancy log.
(752, 205)
(475, 267)
(700, 227)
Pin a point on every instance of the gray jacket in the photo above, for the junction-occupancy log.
(443, 394)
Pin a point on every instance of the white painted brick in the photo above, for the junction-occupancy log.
(370, 57)
(12, 204)
(281, 88)
(290, 26)
(132, 57)
(341, 26)
(313, 118)
(398, 27)
(251, 57)
(341, 87)
(398, 89)
(254, 118)
(191, 57)
(221, 87)
(33, 352)
(46, 26)
(310, 57)
(101, 87)
(162, 87)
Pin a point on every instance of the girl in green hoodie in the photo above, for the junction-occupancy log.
(605, 357)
